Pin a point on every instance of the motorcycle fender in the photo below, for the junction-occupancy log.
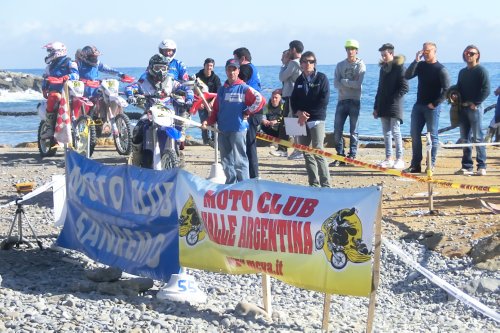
(118, 100)
(42, 109)
(172, 132)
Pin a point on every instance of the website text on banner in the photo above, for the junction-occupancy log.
(122, 216)
(313, 238)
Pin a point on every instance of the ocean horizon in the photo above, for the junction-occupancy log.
(15, 130)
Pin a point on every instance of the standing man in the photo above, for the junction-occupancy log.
(433, 83)
(349, 75)
(310, 97)
(208, 76)
(289, 72)
(249, 74)
(235, 101)
(474, 86)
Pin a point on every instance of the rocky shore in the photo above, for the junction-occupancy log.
(15, 82)
(51, 291)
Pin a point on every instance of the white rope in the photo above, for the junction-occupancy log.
(452, 290)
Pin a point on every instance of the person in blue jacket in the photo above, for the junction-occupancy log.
(89, 67)
(176, 68)
(61, 66)
(234, 103)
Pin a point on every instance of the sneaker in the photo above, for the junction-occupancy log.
(399, 164)
(387, 163)
(481, 172)
(412, 169)
(337, 163)
(296, 155)
(278, 153)
(465, 172)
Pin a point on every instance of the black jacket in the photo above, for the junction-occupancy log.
(316, 100)
(392, 86)
(213, 82)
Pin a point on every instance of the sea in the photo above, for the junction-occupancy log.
(18, 129)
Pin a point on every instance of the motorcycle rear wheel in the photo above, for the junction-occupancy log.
(123, 141)
(82, 132)
(169, 160)
(46, 147)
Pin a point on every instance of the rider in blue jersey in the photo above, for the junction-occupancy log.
(176, 68)
(61, 66)
(89, 67)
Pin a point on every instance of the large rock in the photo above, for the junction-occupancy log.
(486, 248)
(13, 81)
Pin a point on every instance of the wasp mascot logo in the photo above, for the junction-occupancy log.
(190, 224)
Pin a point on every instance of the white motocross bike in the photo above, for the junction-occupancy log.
(108, 115)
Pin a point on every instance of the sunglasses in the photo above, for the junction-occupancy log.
(471, 54)
(351, 48)
(308, 61)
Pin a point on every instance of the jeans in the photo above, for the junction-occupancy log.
(471, 131)
(391, 128)
(421, 115)
(346, 108)
(233, 156)
(281, 130)
(251, 144)
(316, 166)
(206, 135)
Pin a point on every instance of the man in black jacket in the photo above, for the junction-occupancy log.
(309, 100)
(208, 76)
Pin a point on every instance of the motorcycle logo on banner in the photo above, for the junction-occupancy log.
(190, 224)
(340, 239)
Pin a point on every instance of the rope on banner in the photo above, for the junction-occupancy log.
(450, 289)
(394, 172)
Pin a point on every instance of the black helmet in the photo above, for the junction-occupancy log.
(88, 55)
(158, 67)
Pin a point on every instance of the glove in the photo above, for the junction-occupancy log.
(65, 78)
(131, 100)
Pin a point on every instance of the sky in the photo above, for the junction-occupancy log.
(128, 32)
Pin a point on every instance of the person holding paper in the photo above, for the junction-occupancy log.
(309, 102)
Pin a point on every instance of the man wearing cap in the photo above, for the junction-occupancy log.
(433, 83)
(349, 75)
(235, 101)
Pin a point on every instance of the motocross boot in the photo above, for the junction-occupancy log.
(51, 119)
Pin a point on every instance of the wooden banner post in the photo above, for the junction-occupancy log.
(266, 293)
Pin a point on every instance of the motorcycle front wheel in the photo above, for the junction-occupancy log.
(83, 132)
(338, 260)
(123, 140)
(192, 237)
(46, 147)
(169, 160)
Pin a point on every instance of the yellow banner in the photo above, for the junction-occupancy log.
(314, 238)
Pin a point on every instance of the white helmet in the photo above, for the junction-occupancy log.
(55, 50)
(167, 44)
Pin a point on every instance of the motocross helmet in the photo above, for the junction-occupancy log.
(55, 50)
(158, 67)
(88, 55)
(167, 44)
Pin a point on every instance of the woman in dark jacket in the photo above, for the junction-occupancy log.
(392, 86)
(309, 101)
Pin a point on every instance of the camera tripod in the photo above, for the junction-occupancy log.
(19, 216)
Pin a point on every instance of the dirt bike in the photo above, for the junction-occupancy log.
(107, 113)
(83, 135)
(155, 135)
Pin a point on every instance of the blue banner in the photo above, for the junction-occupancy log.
(122, 216)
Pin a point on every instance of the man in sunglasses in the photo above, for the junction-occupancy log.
(309, 101)
(433, 83)
(473, 84)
